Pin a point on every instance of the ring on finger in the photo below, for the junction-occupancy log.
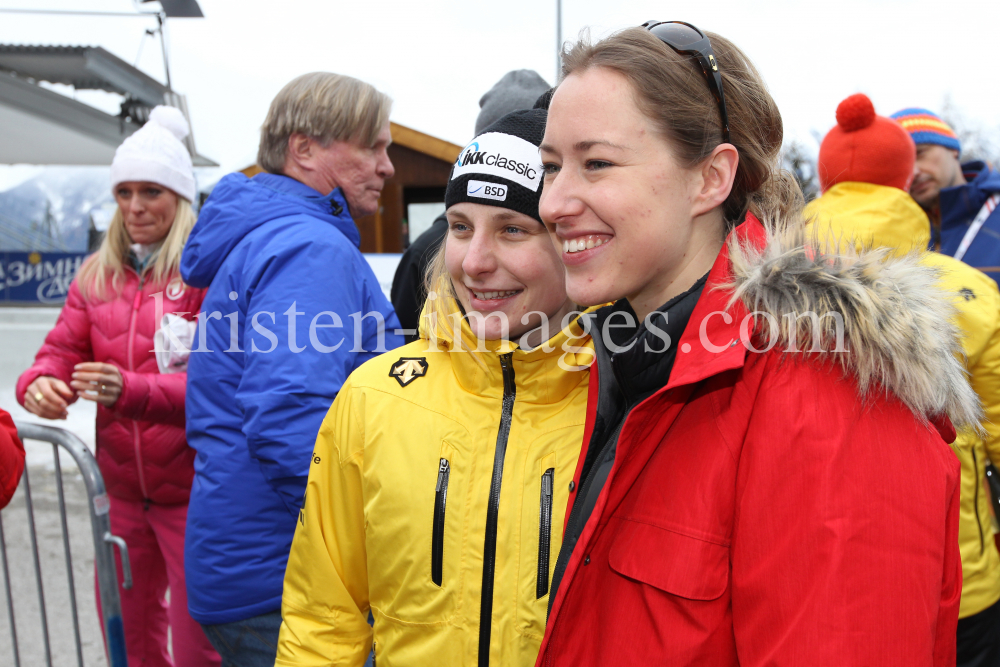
(103, 387)
(39, 396)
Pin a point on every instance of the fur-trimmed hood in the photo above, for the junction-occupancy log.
(898, 330)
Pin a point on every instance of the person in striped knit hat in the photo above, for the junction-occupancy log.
(960, 199)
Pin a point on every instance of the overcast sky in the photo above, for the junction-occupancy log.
(437, 57)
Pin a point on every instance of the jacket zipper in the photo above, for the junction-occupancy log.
(562, 560)
(975, 501)
(583, 488)
(493, 509)
(440, 503)
(994, 485)
(131, 366)
(544, 533)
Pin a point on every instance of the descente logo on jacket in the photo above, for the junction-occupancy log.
(408, 369)
(502, 155)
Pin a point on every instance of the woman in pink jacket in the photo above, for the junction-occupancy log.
(101, 350)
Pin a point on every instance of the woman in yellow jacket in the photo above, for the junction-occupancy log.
(865, 165)
(439, 482)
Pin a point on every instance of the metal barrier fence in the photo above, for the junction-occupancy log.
(104, 542)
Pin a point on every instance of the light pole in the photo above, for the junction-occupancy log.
(177, 9)
(558, 40)
(169, 9)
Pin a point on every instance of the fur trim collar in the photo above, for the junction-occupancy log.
(898, 328)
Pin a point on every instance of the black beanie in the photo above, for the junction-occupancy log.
(501, 167)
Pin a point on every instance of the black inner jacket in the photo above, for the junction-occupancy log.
(633, 363)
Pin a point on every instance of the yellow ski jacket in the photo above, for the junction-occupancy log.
(880, 216)
(437, 498)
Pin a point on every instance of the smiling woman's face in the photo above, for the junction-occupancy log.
(503, 262)
(617, 202)
(148, 210)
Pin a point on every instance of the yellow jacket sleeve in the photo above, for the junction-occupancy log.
(325, 603)
(985, 372)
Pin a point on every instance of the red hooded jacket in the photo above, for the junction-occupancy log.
(11, 458)
(141, 446)
(763, 508)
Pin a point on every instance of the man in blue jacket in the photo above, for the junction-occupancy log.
(960, 199)
(292, 308)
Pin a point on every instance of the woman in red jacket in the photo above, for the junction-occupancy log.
(101, 350)
(765, 478)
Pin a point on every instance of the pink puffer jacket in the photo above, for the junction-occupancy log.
(141, 446)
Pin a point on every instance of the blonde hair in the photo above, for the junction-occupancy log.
(109, 260)
(671, 91)
(327, 107)
(440, 292)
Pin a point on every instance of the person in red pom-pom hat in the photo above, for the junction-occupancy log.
(865, 167)
(865, 148)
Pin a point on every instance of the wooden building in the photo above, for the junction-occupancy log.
(422, 164)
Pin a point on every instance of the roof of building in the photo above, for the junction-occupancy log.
(424, 143)
(409, 138)
(40, 126)
(84, 68)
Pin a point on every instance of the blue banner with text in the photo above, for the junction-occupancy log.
(41, 278)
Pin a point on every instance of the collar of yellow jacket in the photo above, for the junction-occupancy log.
(870, 216)
(544, 374)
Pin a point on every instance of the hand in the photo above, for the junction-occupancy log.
(47, 397)
(94, 381)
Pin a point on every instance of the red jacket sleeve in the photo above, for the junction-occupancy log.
(11, 458)
(845, 549)
(65, 346)
(152, 397)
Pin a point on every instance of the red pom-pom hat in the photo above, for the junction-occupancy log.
(866, 148)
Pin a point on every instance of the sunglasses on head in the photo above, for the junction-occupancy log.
(688, 40)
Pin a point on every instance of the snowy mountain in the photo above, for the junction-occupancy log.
(52, 210)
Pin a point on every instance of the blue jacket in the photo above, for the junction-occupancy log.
(286, 285)
(959, 205)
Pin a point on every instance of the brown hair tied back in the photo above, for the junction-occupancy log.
(670, 90)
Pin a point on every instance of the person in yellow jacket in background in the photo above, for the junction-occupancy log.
(865, 168)
(441, 474)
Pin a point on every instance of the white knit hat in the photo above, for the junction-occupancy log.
(155, 153)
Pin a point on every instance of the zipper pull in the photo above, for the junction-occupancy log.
(138, 293)
(442, 473)
(547, 485)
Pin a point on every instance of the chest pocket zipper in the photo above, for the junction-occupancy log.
(975, 503)
(544, 533)
(437, 538)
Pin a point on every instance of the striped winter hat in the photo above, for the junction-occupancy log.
(926, 127)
